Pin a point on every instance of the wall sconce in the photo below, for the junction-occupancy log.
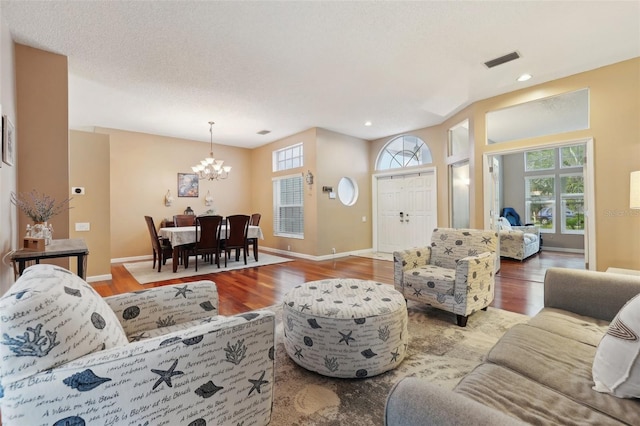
(309, 178)
(208, 199)
(634, 190)
(168, 199)
(327, 189)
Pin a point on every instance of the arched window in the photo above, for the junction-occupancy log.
(403, 151)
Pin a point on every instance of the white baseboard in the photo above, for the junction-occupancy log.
(132, 259)
(562, 249)
(104, 277)
(315, 258)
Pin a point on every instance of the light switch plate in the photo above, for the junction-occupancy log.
(83, 226)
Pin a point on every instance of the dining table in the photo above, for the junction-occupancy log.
(183, 235)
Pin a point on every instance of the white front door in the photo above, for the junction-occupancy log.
(406, 211)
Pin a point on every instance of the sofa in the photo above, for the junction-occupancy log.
(157, 356)
(455, 273)
(544, 372)
(518, 242)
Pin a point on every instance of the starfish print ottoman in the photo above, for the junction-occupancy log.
(345, 327)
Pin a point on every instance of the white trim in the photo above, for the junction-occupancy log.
(315, 258)
(562, 249)
(94, 278)
(131, 259)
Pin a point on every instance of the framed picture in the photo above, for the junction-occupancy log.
(8, 141)
(187, 185)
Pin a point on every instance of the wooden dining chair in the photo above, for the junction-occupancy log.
(254, 221)
(161, 247)
(184, 220)
(236, 236)
(207, 242)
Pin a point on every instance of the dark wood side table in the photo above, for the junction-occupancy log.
(57, 248)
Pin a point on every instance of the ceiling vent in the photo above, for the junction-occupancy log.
(264, 132)
(502, 59)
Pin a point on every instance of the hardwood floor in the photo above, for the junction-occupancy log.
(519, 285)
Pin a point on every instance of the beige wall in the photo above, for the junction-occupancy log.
(89, 168)
(143, 167)
(9, 232)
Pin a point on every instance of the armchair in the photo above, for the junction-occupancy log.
(455, 273)
(157, 356)
(518, 242)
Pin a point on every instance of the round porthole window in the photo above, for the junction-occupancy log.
(347, 191)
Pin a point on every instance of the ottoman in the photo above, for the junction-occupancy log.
(345, 327)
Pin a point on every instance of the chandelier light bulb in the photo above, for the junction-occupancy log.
(210, 168)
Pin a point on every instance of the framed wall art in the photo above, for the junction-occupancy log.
(188, 185)
(8, 141)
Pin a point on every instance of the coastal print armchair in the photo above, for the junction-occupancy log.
(455, 273)
(518, 242)
(157, 356)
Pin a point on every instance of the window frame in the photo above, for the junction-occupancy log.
(278, 205)
(287, 158)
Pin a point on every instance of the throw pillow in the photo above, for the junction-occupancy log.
(51, 316)
(504, 224)
(616, 366)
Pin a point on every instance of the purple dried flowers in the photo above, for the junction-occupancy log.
(39, 207)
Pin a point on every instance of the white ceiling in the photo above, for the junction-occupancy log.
(169, 67)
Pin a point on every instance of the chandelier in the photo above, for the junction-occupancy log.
(210, 168)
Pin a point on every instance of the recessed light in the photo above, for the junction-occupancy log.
(524, 77)
(368, 123)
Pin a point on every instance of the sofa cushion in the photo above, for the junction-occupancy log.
(49, 317)
(525, 398)
(573, 326)
(616, 367)
(561, 364)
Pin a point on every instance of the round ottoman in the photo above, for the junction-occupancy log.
(345, 327)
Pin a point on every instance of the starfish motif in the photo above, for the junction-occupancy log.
(166, 375)
(486, 240)
(256, 383)
(183, 291)
(326, 291)
(298, 352)
(369, 290)
(346, 337)
(305, 306)
(137, 337)
(448, 250)
(395, 355)
(417, 292)
(355, 305)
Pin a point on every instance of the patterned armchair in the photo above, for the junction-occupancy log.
(518, 242)
(456, 273)
(157, 356)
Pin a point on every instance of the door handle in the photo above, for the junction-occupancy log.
(407, 219)
(401, 217)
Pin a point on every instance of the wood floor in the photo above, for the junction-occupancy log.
(518, 284)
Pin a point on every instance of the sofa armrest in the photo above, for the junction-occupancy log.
(590, 293)
(150, 308)
(414, 401)
(531, 229)
(408, 259)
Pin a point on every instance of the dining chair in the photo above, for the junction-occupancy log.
(237, 227)
(161, 246)
(184, 220)
(207, 241)
(254, 221)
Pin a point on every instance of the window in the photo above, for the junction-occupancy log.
(540, 200)
(572, 156)
(572, 200)
(288, 158)
(288, 209)
(403, 151)
(544, 159)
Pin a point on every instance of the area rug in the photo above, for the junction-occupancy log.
(439, 351)
(376, 255)
(144, 272)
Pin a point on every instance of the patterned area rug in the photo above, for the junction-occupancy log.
(144, 273)
(439, 351)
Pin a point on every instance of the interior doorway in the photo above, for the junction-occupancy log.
(404, 209)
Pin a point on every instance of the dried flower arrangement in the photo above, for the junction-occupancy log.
(39, 207)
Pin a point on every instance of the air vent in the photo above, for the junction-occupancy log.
(264, 132)
(502, 59)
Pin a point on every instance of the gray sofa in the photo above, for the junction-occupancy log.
(537, 373)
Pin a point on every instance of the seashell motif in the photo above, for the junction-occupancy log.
(320, 300)
(360, 320)
(198, 422)
(70, 421)
(362, 373)
(97, 321)
(249, 316)
(272, 355)
(131, 312)
(193, 340)
(291, 304)
(140, 291)
(72, 291)
(313, 323)
(308, 341)
(431, 284)
(368, 353)
(207, 306)
(84, 381)
(386, 299)
(338, 301)
(169, 341)
(208, 389)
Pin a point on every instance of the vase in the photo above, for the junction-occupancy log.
(41, 230)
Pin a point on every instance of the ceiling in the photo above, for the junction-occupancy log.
(169, 67)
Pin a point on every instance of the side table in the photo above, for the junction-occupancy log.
(57, 248)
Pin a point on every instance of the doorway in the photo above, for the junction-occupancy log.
(405, 209)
